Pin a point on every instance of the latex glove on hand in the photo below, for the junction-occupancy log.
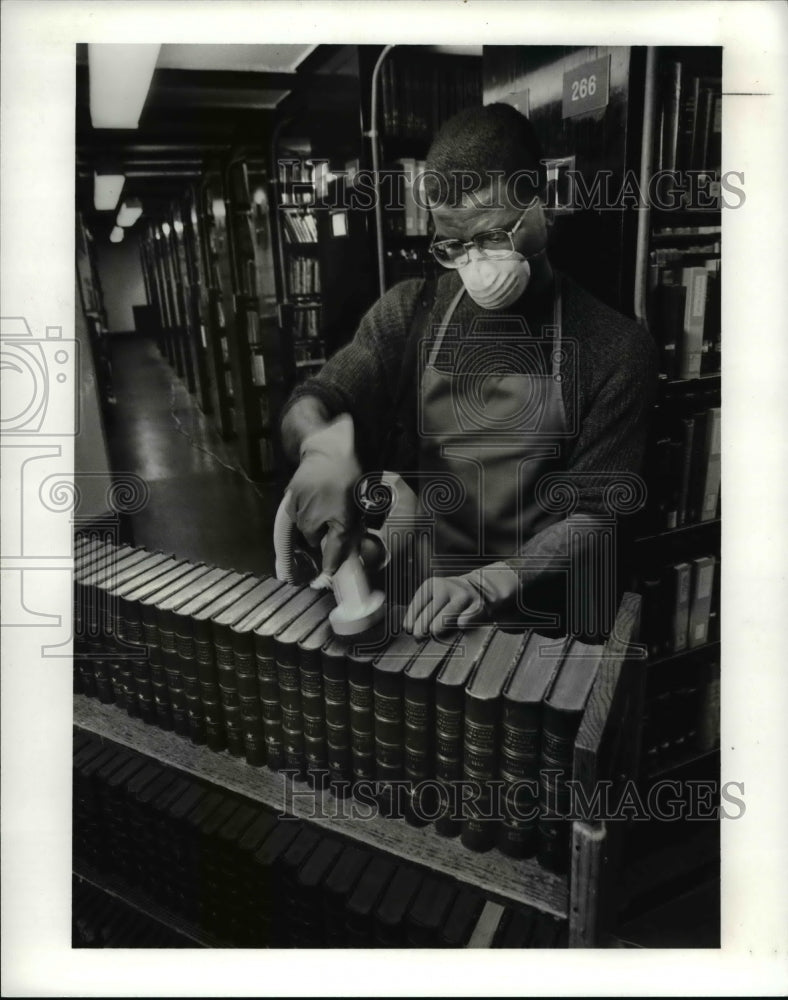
(321, 490)
(443, 603)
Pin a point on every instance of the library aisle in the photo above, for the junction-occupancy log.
(199, 508)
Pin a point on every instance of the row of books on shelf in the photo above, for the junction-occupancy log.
(237, 874)
(690, 117)
(685, 463)
(252, 666)
(303, 276)
(299, 227)
(408, 214)
(309, 353)
(101, 920)
(418, 95)
(681, 606)
(683, 722)
(685, 312)
(257, 363)
(295, 169)
(305, 323)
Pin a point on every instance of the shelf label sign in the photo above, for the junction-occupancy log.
(586, 87)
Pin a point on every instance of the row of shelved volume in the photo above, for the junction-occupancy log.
(306, 323)
(303, 274)
(299, 227)
(242, 876)
(686, 458)
(308, 353)
(295, 169)
(407, 214)
(257, 361)
(683, 721)
(252, 666)
(420, 91)
(681, 604)
(101, 920)
(690, 116)
(685, 308)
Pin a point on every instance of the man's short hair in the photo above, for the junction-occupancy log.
(483, 145)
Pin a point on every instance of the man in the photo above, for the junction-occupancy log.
(499, 378)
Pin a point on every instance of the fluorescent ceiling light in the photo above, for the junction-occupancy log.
(130, 211)
(120, 77)
(106, 191)
(116, 235)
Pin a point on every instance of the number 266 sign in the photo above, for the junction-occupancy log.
(586, 87)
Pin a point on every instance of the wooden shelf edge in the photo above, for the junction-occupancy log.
(499, 877)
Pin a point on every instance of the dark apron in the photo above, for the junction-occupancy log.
(492, 419)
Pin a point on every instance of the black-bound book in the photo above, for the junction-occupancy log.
(313, 718)
(481, 737)
(238, 673)
(185, 706)
(267, 883)
(287, 657)
(338, 885)
(461, 919)
(388, 690)
(517, 929)
(392, 910)
(312, 875)
(129, 612)
(268, 681)
(87, 561)
(203, 697)
(361, 904)
(299, 926)
(336, 707)
(562, 712)
(449, 706)
(521, 735)
(429, 912)
(204, 666)
(419, 727)
(90, 614)
(362, 651)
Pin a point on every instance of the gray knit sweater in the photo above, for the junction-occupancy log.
(607, 388)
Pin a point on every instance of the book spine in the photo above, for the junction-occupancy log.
(700, 607)
(688, 431)
(557, 749)
(224, 658)
(480, 765)
(208, 678)
(680, 575)
(313, 716)
(389, 730)
(239, 690)
(289, 686)
(270, 706)
(362, 722)
(448, 753)
(691, 346)
(419, 750)
(336, 703)
(671, 102)
(519, 772)
(713, 465)
(187, 664)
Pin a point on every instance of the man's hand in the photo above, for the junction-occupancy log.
(446, 602)
(321, 491)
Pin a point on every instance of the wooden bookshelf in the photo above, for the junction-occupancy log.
(507, 879)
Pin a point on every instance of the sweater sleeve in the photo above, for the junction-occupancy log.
(615, 383)
(360, 378)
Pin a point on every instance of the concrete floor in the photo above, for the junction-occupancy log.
(201, 507)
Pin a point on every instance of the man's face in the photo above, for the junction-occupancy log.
(486, 210)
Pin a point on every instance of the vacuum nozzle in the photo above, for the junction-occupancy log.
(358, 607)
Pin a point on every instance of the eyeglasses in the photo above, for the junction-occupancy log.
(495, 244)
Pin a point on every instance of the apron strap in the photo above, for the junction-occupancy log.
(434, 351)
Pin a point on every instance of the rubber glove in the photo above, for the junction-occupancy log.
(321, 491)
(445, 602)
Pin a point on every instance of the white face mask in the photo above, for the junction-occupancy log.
(496, 284)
